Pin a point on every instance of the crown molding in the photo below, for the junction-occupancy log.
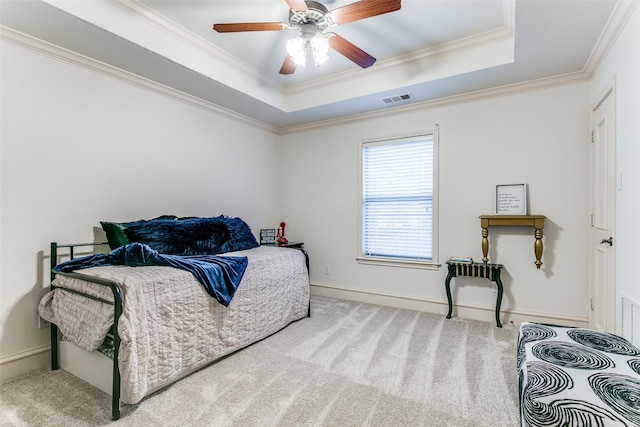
(506, 90)
(56, 52)
(145, 28)
(617, 20)
(413, 58)
(173, 29)
(65, 55)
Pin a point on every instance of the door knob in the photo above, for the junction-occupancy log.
(609, 241)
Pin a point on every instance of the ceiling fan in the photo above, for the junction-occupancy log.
(312, 18)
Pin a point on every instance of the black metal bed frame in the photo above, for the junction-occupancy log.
(117, 311)
(117, 303)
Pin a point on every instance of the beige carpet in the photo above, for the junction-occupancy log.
(350, 364)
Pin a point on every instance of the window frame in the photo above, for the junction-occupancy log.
(361, 258)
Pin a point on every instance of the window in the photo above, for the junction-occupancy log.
(399, 200)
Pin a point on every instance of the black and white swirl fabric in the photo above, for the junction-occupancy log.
(530, 332)
(576, 377)
(543, 380)
(535, 332)
(619, 392)
(546, 380)
(570, 355)
(603, 341)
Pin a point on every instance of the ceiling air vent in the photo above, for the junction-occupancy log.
(397, 99)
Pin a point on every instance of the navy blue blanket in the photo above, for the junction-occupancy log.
(220, 276)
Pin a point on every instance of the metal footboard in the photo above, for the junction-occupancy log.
(117, 311)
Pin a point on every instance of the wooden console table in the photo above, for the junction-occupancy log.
(475, 269)
(535, 221)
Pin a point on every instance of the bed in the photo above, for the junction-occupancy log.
(154, 323)
(577, 377)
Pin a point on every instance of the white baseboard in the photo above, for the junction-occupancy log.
(465, 311)
(36, 359)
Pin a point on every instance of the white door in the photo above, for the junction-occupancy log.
(603, 240)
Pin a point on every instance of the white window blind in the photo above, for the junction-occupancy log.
(397, 198)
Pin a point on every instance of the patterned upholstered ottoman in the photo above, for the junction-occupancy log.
(577, 377)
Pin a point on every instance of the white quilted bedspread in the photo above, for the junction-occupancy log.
(170, 325)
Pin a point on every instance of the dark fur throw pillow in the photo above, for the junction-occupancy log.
(193, 236)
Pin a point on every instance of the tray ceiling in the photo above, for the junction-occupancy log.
(428, 49)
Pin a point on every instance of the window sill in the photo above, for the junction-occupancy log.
(392, 262)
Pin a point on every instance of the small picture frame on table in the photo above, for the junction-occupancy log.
(511, 199)
(268, 236)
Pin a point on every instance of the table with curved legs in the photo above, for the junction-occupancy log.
(475, 269)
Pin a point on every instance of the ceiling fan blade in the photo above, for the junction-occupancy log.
(288, 66)
(363, 9)
(297, 5)
(350, 51)
(249, 26)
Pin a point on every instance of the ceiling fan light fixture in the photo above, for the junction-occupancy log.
(297, 49)
(319, 49)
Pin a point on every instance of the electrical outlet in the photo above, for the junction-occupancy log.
(327, 269)
(42, 324)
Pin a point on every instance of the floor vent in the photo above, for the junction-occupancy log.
(631, 320)
(397, 98)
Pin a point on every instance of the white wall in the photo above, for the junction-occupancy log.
(622, 65)
(79, 147)
(538, 137)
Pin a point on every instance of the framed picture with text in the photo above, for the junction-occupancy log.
(511, 199)
(268, 236)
